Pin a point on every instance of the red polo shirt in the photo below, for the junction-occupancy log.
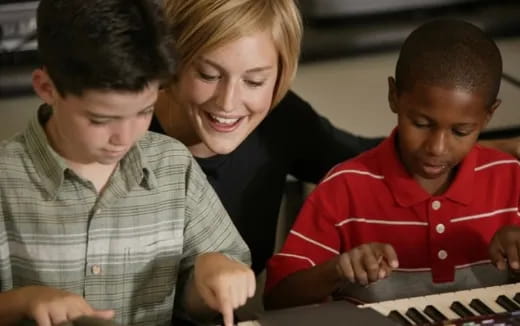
(372, 198)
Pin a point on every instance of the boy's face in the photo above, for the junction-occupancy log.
(437, 127)
(98, 126)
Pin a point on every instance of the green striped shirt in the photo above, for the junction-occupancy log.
(124, 249)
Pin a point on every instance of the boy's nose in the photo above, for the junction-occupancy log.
(437, 143)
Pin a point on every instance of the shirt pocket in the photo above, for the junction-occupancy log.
(150, 275)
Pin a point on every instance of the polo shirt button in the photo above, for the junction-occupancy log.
(436, 204)
(98, 211)
(96, 269)
(440, 228)
(442, 254)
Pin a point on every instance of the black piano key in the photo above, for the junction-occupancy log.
(461, 310)
(417, 316)
(507, 303)
(434, 313)
(481, 307)
(400, 319)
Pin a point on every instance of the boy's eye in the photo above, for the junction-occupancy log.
(99, 122)
(461, 133)
(420, 124)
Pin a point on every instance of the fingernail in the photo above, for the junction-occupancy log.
(382, 274)
(515, 265)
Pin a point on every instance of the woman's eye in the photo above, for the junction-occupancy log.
(208, 77)
(254, 83)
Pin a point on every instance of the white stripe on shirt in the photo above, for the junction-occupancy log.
(297, 257)
(364, 220)
(335, 174)
(474, 217)
(485, 166)
(314, 242)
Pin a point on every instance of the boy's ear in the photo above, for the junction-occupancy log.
(492, 110)
(43, 86)
(392, 94)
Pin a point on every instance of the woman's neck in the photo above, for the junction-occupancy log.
(174, 120)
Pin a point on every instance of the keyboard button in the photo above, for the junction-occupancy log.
(480, 307)
(434, 314)
(507, 303)
(400, 319)
(461, 309)
(417, 316)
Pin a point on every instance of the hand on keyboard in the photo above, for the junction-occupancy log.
(368, 263)
(504, 248)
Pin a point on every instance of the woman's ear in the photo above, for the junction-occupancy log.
(44, 87)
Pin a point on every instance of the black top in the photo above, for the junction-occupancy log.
(293, 139)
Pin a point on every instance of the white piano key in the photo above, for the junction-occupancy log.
(385, 307)
(443, 301)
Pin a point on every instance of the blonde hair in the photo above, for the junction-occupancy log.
(199, 26)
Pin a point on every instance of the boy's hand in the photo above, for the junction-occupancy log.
(504, 248)
(224, 284)
(48, 306)
(367, 263)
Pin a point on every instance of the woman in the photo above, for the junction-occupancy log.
(230, 104)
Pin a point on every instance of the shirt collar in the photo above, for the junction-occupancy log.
(52, 168)
(407, 192)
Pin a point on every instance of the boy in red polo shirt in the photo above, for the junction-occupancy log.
(428, 206)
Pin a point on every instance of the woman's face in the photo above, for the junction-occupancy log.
(227, 92)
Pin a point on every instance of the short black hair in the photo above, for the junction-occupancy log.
(450, 53)
(103, 44)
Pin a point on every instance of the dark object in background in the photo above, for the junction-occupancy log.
(326, 9)
(335, 28)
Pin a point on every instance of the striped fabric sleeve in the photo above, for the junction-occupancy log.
(208, 227)
(314, 237)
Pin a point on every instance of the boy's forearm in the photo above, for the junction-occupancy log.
(305, 287)
(11, 307)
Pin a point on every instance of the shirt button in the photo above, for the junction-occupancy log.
(96, 269)
(436, 204)
(440, 228)
(442, 254)
(99, 210)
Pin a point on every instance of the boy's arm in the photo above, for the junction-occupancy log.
(305, 286)
(364, 264)
(214, 266)
(305, 270)
(46, 306)
(218, 284)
